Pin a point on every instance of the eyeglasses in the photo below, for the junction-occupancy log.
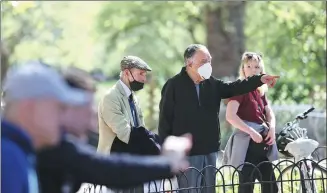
(249, 55)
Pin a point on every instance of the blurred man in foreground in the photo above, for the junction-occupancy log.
(35, 96)
(65, 167)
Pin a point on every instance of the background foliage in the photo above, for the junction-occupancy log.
(96, 35)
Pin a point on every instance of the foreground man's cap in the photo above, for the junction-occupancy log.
(34, 80)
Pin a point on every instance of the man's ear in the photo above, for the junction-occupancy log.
(189, 62)
(126, 72)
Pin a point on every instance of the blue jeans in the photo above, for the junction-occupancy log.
(193, 178)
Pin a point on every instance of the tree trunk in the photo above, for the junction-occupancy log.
(151, 104)
(4, 61)
(225, 37)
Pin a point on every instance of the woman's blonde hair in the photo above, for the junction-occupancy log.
(257, 57)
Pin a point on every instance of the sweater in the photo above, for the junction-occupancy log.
(17, 160)
(183, 111)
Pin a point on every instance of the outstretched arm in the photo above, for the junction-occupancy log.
(114, 171)
(238, 87)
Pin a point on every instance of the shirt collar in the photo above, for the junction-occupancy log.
(126, 89)
(17, 135)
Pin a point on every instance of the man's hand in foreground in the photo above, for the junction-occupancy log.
(175, 150)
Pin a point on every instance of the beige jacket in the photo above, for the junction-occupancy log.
(115, 117)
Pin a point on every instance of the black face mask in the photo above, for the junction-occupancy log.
(136, 85)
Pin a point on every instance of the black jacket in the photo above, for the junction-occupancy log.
(181, 111)
(141, 142)
(72, 163)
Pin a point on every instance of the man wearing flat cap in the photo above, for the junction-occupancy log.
(121, 124)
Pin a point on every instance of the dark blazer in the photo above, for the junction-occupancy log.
(72, 163)
(182, 111)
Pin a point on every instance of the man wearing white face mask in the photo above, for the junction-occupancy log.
(190, 103)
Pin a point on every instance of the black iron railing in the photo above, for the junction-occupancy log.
(304, 176)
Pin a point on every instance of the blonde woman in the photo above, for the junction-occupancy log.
(254, 139)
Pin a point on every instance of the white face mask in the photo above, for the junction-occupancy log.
(205, 70)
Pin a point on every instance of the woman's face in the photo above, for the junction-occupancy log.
(251, 68)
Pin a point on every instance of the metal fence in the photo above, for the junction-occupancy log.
(304, 176)
(289, 178)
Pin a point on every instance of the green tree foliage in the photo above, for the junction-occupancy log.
(291, 35)
(155, 31)
(56, 32)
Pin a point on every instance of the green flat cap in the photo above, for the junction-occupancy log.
(129, 62)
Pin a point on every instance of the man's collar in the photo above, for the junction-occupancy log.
(126, 89)
(17, 135)
(186, 75)
(183, 71)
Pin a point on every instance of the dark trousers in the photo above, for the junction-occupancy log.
(250, 174)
